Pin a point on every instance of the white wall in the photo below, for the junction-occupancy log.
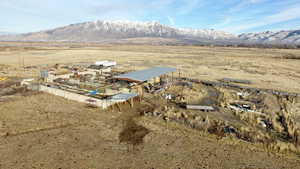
(76, 97)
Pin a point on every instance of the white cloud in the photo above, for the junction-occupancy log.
(255, 1)
(189, 6)
(140, 9)
(171, 20)
(285, 15)
(243, 4)
(131, 10)
(282, 16)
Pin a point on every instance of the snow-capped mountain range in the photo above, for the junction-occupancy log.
(113, 31)
(5, 33)
(280, 37)
(110, 30)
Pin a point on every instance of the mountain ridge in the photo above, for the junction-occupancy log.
(5, 33)
(113, 31)
(273, 37)
(108, 30)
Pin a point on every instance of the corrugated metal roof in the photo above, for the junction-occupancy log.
(124, 96)
(147, 74)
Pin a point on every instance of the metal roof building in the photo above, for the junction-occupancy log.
(123, 96)
(106, 63)
(145, 75)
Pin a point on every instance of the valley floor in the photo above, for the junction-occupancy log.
(43, 131)
(266, 68)
(49, 132)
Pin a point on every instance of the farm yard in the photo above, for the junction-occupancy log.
(226, 108)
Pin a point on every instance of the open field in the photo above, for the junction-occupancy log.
(266, 68)
(50, 132)
(43, 131)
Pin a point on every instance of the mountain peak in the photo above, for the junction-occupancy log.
(122, 23)
(104, 30)
(121, 29)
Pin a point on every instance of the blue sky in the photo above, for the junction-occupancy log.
(236, 16)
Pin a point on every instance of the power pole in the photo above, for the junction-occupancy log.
(23, 63)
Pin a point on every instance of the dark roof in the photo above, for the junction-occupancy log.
(147, 74)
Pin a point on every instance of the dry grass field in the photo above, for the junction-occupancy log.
(50, 132)
(266, 68)
(44, 131)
